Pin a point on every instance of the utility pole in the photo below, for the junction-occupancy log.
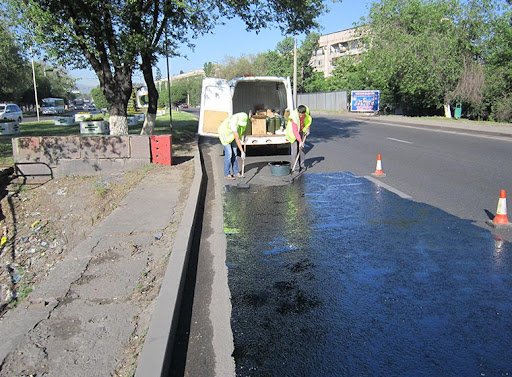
(295, 72)
(168, 77)
(35, 85)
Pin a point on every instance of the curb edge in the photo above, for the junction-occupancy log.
(154, 359)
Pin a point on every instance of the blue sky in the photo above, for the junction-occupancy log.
(231, 40)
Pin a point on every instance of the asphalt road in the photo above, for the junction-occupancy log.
(456, 174)
(459, 173)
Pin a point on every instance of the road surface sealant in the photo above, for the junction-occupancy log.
(335, 276)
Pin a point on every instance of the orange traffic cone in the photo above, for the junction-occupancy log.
(378, 170)
(501, 217)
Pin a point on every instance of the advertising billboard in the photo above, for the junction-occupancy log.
(364, 100)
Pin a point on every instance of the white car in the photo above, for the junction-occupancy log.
(11, 111)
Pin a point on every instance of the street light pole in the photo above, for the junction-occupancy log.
(168, 78)
(35, 85)
(295, 71)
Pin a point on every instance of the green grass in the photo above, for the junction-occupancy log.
(183, 131)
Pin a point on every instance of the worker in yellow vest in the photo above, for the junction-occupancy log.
(230, 132)
(297, 128)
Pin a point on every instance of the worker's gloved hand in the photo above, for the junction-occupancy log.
(306, 133)
(301, 145)
(243, 155)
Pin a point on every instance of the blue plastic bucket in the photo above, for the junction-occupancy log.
(279, 168)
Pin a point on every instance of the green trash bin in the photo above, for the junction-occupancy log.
(458, 111)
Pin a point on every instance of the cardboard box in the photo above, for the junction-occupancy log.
(259, 126)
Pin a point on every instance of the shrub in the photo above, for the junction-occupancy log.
(97, 117)
(502, 109)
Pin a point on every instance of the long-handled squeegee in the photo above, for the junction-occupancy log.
(243, 185)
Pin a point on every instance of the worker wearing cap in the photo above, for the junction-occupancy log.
(297, 128)
(230, 131)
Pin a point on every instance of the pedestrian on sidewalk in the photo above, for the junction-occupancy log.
(297, 128)
(230, 132)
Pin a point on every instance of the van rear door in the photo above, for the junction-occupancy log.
(216, 105)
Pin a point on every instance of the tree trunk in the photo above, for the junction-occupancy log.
(150, 119)
(149, 124)
(447, 110)
(117, 90)
(118, 125)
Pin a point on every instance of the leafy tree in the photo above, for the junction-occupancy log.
(306, 77)
(184, 90)
(414, 52)
(158, 74)
(110, 34)
(316, 82)
(132, 102)
(163, 94)
(194, 86)
(54, 82)
(96, 34)
(99, 98)
(57, 81)
(209, 69)
(498, 68)
(348, 74)
(238, 67)
(14, 69)
(199, 17)
(422, 53)
(178, 92)
(278, 62)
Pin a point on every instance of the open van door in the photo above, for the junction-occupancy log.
(216, 105)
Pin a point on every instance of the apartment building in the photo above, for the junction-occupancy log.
(335, 45)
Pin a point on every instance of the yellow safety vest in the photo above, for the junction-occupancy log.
(225, 131)
(294, 117)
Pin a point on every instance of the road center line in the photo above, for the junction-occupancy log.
(400, 141)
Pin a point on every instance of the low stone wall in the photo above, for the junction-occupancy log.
(57, 156)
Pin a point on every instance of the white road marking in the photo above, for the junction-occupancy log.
(400, 141)
(388, 187)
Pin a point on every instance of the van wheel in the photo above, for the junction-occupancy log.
(19, 119)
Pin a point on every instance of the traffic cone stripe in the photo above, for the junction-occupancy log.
(501, 212)
(379, 166)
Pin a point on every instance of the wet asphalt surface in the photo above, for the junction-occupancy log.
(334, 276)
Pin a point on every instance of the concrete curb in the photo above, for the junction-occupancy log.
(154, 359)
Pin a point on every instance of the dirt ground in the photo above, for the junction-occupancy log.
(40, 223)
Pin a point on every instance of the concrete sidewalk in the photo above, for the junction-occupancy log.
(92, 314)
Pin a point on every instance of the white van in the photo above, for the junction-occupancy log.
(265, 98)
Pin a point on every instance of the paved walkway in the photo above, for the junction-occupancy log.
(92, 314)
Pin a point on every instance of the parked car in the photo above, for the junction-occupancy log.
(11, 111)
